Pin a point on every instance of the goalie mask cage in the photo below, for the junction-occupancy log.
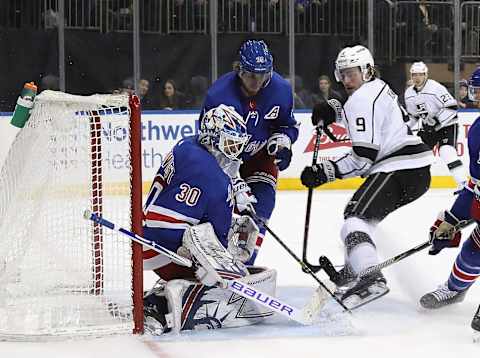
(62, 276)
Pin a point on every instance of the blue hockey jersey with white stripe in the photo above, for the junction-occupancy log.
(269, 111)
(461, 207)
(190, 188)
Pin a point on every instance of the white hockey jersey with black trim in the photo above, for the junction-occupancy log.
(433, 105)
(381, 141)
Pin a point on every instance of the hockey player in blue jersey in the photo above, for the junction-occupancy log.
(444, 232)
(192, 187)
(265, 101)
(189, 211)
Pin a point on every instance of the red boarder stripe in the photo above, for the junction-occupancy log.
(463, 276)
(160, 217)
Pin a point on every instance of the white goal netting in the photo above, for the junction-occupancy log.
(61, 275)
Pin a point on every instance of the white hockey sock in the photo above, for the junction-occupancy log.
(362, 257)
(454, 164)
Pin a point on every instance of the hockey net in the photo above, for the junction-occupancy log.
(61, 275)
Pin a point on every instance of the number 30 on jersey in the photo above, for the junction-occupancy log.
(189, 195)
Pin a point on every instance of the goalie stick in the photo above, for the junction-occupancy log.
(303, 316)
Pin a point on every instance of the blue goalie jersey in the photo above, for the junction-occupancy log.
(190, 188)
(269, 111)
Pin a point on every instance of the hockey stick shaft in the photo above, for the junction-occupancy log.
(310, 197)
(241, 288)
(306, 268)
(141, 240)
(413, 250)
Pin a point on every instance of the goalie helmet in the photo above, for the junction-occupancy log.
(225, 130)
(356, 56)
(474, 86)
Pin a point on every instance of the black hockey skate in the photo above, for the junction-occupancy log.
(154, 310)
(476, 321)
(345, 276)
(364, 290)
(441, 297)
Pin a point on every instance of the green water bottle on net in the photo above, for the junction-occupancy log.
(24, 105)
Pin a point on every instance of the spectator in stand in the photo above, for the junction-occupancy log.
(198, 91)
(143, 93)
(302, 92)
(49, 82)
(297, 101)
(325, 91)
(143, 87)
(170, 98)
(463, 100)
(236, 66)
(127, 86)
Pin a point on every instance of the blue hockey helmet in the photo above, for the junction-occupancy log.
(255, 57)
(225, 130)
(474, 86)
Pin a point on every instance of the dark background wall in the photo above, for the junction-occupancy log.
(100, 62)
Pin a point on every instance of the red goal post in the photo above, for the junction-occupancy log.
(61, 276)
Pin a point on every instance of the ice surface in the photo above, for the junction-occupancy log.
(393, 326)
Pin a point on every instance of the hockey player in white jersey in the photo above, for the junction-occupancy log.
(433, 109)
(395, 162)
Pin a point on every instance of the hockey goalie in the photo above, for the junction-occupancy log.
(189, 210)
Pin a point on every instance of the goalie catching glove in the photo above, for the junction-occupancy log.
(443, 232)
(279, 146)
(242, 237)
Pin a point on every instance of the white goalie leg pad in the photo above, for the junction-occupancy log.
(208, 253)
(194, 306)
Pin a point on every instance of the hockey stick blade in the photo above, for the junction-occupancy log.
(461, 225)
(303, 316)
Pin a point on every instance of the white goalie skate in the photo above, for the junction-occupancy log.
(441, 297)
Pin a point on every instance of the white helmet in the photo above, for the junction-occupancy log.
(419, 67)
(225, 130)
(356, 56)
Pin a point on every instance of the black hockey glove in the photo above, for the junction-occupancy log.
(428, 135)
(319, 174)
(327, 112)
